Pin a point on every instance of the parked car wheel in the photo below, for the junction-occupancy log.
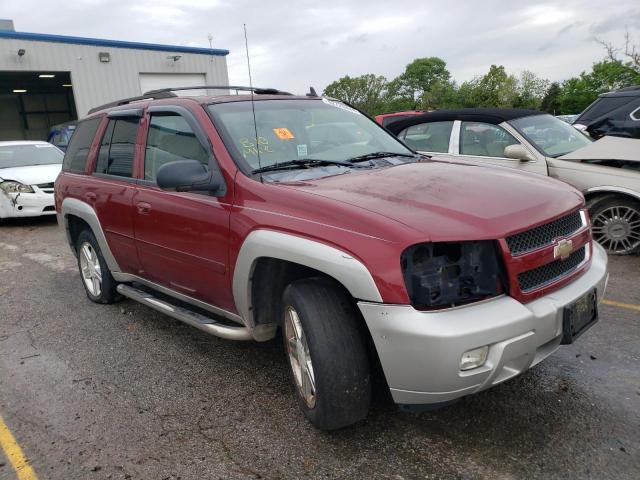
(327, 353)
(616, 223)
(94, 272)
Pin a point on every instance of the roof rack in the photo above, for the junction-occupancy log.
(168, 93)
(124, 101)
(236, 88)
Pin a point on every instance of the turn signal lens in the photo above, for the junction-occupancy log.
(474, 358)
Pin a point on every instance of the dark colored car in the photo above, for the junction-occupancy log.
(241, 215)
(615, 113)
(60, 135)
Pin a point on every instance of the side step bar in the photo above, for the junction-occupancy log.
(189, 317)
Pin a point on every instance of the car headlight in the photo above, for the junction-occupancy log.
(441, 275)
(16, 187)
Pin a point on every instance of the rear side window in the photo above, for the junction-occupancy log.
(75, 160)
(170, 138)
(117, 148)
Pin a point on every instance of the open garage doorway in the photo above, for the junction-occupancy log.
(32, 102)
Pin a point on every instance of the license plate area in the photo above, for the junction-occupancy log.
(579, 317)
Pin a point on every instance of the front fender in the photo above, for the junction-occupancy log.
(341, 266)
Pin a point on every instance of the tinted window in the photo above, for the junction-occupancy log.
(484, 139)
(603, 106)
(75, 160)
(170, 138)
(117, 148)
(103, 153)
(428, 137)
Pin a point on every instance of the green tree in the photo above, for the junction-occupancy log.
(579, 92)
(496, 89)
(367, 92)
(467, 94)
(551, 100)
(424, 84)
(421, 76)
(531, 90)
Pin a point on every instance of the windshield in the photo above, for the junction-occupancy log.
(292, 130)
(551, 136)
(27, 155)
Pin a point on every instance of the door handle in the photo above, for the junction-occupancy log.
(144, 208)
(91, 196)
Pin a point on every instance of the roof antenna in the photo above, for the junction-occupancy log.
(253, 106)
(312, 92)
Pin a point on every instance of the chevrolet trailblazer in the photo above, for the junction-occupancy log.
(244, 214)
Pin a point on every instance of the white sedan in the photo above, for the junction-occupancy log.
(27, 172)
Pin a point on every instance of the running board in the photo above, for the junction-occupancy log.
(206, 324)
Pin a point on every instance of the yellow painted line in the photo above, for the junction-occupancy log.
(628, 306)
(14, 454)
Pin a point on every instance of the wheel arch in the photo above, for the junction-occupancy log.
(76, 215)
(595, 192)
(290, 257)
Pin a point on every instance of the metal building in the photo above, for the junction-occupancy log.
(46, 80)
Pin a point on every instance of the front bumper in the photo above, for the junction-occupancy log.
(420, 352)
(26, 204)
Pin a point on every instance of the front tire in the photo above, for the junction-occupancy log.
(615, 223)
(97, 280)
(327, 353)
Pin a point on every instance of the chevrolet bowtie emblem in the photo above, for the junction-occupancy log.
(563, 249)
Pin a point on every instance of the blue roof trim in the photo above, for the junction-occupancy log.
(98, 42)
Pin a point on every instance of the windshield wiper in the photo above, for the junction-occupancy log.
(302, 163)
(374, 155)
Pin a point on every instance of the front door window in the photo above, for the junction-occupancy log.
(484, 139)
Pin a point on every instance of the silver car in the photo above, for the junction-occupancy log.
(607, 172)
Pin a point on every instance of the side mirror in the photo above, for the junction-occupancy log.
(187, 176)
(518, 152)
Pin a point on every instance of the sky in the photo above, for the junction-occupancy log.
(294, 45)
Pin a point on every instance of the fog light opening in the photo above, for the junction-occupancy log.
(474, 358)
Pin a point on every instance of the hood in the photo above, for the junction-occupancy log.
(608, 148)
(448, 201)
(32, 175)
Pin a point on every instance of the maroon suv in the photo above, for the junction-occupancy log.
(242, 214)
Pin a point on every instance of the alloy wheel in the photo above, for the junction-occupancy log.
(90, 269)
(617, 229)
(299, 357)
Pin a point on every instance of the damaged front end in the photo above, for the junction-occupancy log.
(448, 274)
(21, 200)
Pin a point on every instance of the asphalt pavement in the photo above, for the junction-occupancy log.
(122, 392)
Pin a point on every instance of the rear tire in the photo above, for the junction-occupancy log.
(96, 277)
(327, 353)
(615, 223)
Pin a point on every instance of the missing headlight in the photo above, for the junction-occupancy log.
(447, 274)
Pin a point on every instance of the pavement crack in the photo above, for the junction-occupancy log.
(30, 356)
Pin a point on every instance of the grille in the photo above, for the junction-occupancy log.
(46, 187)
(544, 234)
(538, 277)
